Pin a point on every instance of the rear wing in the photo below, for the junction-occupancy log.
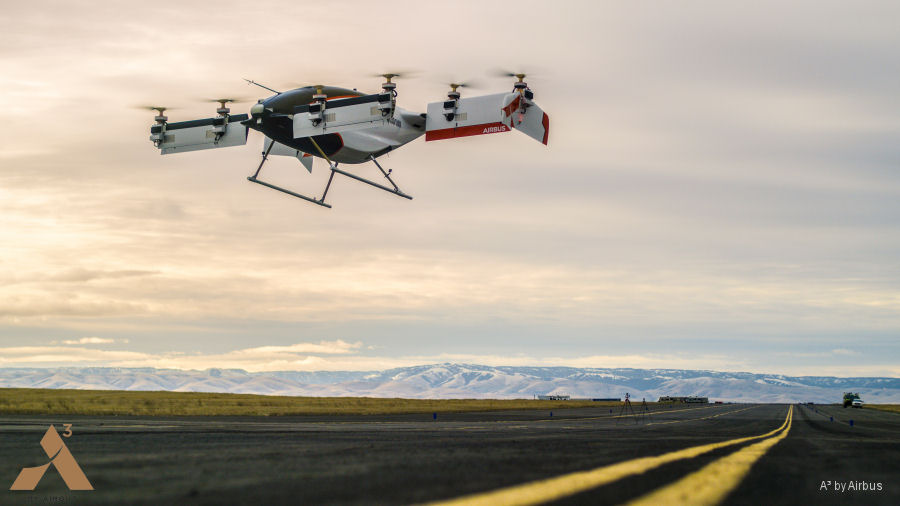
(209, 133)
(487, 114)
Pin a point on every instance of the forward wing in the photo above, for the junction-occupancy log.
(208, 133)
(342, 115)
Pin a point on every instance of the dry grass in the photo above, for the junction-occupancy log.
(893, 408)
(114, 402)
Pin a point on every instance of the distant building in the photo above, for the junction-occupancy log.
(688, 400)
(554, 397)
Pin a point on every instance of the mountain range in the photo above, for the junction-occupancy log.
(468, 381)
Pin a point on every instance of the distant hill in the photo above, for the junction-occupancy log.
(468, 381)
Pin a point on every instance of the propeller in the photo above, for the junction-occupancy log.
(454, 88)
(520, 85)
(318, 89)
(160, 111)
(314, 79)
(506, 72)
(389, 86)
(308, 84)
(390, 75)
(518, 75)
(223, 101)
(157, 108)
(466, 84)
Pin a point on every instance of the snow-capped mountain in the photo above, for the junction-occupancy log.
(469, 381)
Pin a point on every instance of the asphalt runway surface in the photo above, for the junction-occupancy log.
(816, 457)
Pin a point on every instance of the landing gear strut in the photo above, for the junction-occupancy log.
(334, 170)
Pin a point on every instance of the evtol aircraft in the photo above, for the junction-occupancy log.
(345, 126)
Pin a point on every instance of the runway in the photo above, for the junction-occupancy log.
(789, 455)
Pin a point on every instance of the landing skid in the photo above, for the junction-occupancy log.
(334, 170)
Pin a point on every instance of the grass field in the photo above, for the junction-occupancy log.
(115, 402)
(893, 408)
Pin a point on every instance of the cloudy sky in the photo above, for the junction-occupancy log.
(721, 190)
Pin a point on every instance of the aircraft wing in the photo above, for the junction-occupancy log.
(486, 114)
(341, 115)
(208, 133)
(531, 120)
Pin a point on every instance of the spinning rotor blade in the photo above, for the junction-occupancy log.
(321, 78)
(319, 88)
(158, 108)
(392, 75)
(295, 85)
(520, 75)
(223, 102)
(318, 84)
(463, 84)
(226, 100)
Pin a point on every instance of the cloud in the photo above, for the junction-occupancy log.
(326, 347)
(94, 340)
(24, 307)
(339, 355)
(837, 352)
(298, 356)
(844, 352)
(463, 285)
(80, 275)
(25, 355)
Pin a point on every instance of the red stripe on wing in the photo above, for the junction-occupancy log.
(545, 121)
(508, 110)
(465, 131)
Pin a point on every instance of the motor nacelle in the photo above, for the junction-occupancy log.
(521, 87)
(158, 131)
(386, 103)
(158, 134)
(452, 102)
(220, 123)
(450, 107)
(316, 113)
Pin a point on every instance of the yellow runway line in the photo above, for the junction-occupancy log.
(701, 418)
(496, 422)
(714, 482)
(611, 417)
(648, 413)
(552, 489)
